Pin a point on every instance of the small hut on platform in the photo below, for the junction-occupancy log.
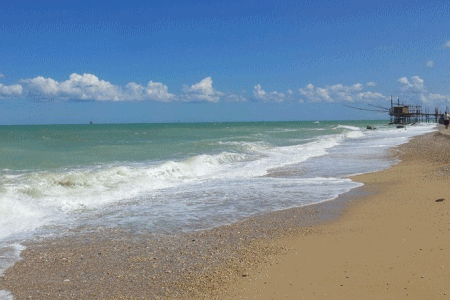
(409, 114)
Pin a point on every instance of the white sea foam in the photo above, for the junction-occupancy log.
(354, 134)
(39, 197)
(31, 200)
(247, 147)
(230, 183)
(347, 127)
(9, 253)
(5, 295)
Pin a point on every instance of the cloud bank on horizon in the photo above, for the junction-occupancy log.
(88, 87)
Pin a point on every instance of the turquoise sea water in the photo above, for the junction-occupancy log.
(171, 178)
(59, 146)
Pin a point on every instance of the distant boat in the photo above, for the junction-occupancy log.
(90, 122)
(316, 122)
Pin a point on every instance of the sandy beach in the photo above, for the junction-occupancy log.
(389, 239)
(392, 245)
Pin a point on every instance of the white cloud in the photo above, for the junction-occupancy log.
(369, 96)
(338, 93)
(274, 96)
(90, 87)
(437, 97)
(134, 91)
(258, 92)
(404, 81)
(235, 98)
(430, 63)
(447, 45)
(314, 95)
(371, 83)
(415, 89)
(82, 87)
(153, 91)
(10, 90)
(201, 91)
(416, 86)
(42, 86)
(2, 76)
(158, 91)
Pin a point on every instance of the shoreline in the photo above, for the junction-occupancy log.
(390, 245)
(72, 267)
(205, 264)
(117, 265)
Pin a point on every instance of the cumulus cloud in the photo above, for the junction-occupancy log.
(415, 86)
(371, 83)
(437, 97)
(338, 93)
(82, 87)
(447, 45)
(274, 96)
(153, 91)
(201, 91)
(90, 87)
(2, 76)
(10, 90)
(430, 63)
(369, 96)
(314, 94)
(415, 89)
(235, 98)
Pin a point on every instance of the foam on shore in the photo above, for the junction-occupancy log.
(196, 264)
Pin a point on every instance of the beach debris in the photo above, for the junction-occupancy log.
(440, 200)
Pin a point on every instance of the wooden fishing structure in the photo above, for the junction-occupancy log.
(404, 114)
(411, 114)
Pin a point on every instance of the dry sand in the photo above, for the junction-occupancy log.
(392, 244)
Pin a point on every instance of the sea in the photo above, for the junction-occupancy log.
(176, 178)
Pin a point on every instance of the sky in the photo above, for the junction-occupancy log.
(65, 62)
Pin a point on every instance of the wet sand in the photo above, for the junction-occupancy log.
(382, 240)
(113, 264)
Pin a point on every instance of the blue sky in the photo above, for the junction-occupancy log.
(193, 61)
